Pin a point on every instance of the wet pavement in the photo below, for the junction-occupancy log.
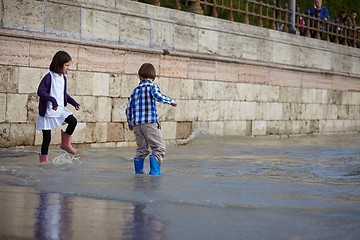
(212, 188)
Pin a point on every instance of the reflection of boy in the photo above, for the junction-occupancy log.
(142, 118)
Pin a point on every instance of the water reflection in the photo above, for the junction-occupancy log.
(28, 214)
(53, 216)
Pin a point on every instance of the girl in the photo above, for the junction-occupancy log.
(53, 100)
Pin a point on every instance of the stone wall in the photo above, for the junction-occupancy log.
(227, 78)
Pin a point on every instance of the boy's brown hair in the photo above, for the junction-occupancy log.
(147, 71)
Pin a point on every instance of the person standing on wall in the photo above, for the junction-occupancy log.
(142, 118)
(53, 100)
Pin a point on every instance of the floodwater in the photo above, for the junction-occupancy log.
(212, 188)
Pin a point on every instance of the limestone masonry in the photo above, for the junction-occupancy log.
(227, 78)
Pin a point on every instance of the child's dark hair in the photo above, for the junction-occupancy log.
(58, 61)
(147, 71)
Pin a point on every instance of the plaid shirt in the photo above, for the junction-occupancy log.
(141, 107)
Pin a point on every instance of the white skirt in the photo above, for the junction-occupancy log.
(47, 123)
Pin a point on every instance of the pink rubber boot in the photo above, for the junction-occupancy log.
(66, 143)
(43, 158)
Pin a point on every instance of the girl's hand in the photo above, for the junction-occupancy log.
(77, 107)
(55, 108)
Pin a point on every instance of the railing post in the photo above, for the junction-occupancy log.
(246, 18)
(260, 15)
(195, 7)
(327, 31)
(317, 35)
(156, 2)
(307, 34)
(214, 12)
(273, 25)
(177, 5)
(286, 28)
(231, 17)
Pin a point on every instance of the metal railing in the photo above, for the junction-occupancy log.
(268, 15)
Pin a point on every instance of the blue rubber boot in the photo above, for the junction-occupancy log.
(139, 165)
(154, 166)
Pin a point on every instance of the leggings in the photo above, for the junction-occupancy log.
(70, 120)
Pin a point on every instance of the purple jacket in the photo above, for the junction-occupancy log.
(44, 94)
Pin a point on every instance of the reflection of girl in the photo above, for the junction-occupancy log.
(53, 100)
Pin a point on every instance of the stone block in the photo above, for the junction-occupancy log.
(258, 128)
(101, 83)
(22, 134)
(216, 90)
(16, 108)
(216, 128)
(101, 131)
(168, 130)
(5, 135)
(134, 60)
(63, 19)
(202, 69)
(248, 110)
(183, 130)
(2, 107)
(162, 35)
(14, 52)
(171, 66)
(128, 83)
(135, 31)
(84, 83)
(42, 52)
(170, 87)
(226, 110)
(88, 107)
(186, 38)
(269, 93)
(29, 79)
(209, 110)
(115, 85)
(96, 59)
(272, 127)
(100, 25)
(129, 135)
(23, 15)
(230, 91)
(208, 41)
(285, 127)
(236, 128)
(32, 108)
(90, 135)
(9, 79)
(103, 145)
(330, 111)
(115, 132)
(186, 110)
(187, 88)
(118, 109)
(103, 111)
(313, 126)
(79, 135)
(201, 90)
(165, 112)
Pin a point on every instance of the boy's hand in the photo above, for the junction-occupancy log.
(174, 104)
(131, 128)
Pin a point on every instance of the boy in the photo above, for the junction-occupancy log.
(142, 118)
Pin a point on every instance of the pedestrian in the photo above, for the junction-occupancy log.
(142, 118)
(53, 100)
